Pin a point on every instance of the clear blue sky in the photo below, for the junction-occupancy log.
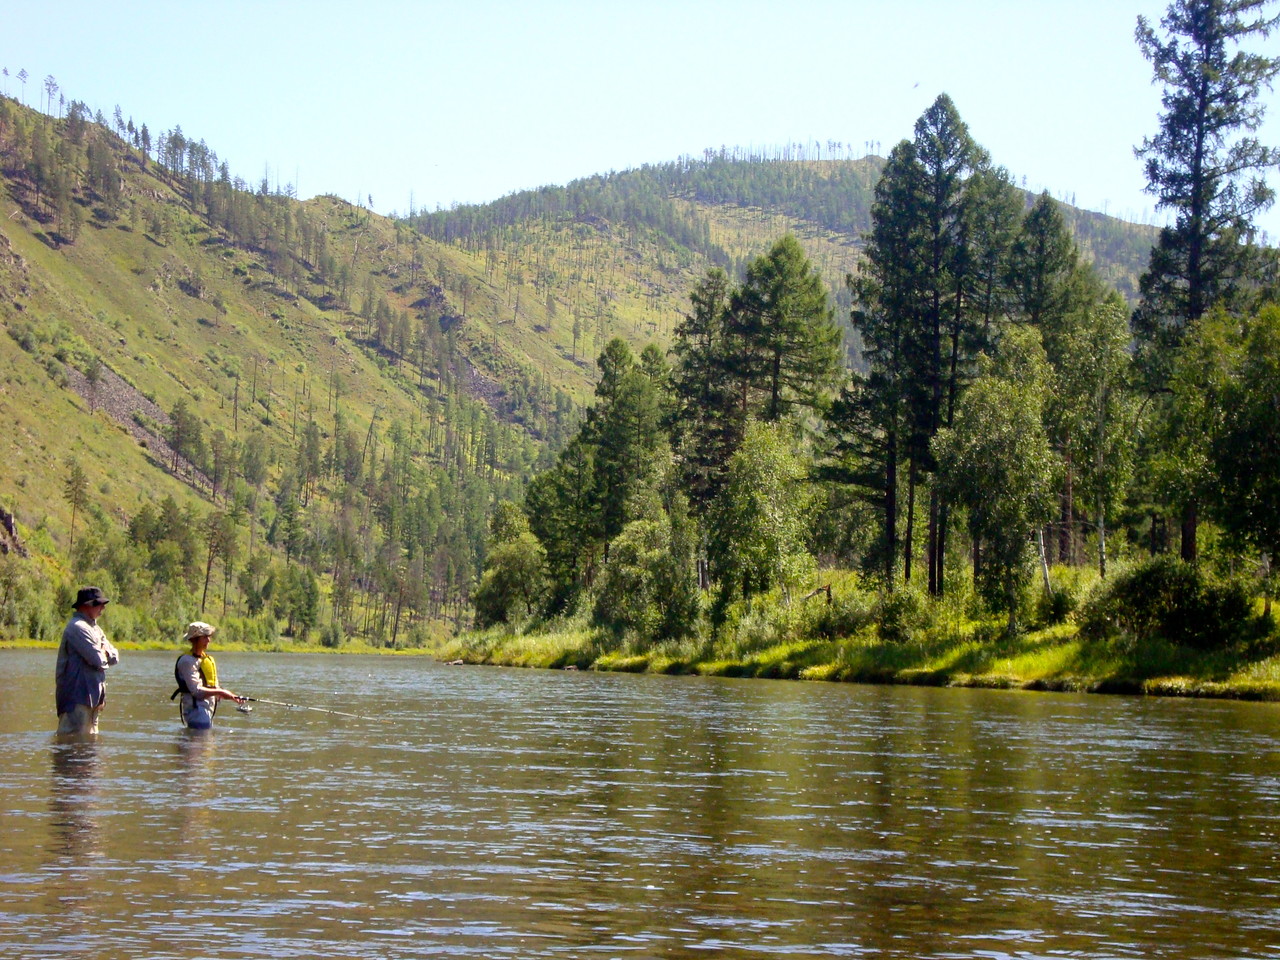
(466, 101)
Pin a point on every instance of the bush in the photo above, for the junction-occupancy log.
(1167, 598)
(1055, 607)
(901, 613)
(845, 611)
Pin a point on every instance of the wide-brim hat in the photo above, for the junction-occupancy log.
(198, 629)
(89, 597)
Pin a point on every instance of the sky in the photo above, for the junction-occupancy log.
(429, 104)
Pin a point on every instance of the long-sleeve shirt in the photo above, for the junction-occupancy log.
(198, 706)
(83, 658)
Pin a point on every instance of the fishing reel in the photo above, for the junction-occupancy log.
(244, 708)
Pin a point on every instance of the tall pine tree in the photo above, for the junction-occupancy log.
(1204, 167)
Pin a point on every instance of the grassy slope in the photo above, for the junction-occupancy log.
(117, 291)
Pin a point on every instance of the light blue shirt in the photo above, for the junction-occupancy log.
(80, 676)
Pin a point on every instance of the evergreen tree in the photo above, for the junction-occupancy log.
(993, 211)
(785, 342)
(1196, 166)
(947, 156)
(707, 424)
(870, 423)
(624, 426)
(564, 514)
(1044, 257)
(1198, 161)
(76, 492)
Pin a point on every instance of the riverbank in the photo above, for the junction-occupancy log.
(1052, 659)
(1055, 659)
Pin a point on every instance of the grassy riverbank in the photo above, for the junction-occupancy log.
(1055, 658)
(1111, 638)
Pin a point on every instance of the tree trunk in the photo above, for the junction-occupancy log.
(1044, 562)
(1066, 537)
(1102, 540)
(891, 508)
(932, 551)
(909, 544)
(1190, 523)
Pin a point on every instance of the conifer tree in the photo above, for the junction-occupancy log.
(707, 424)
(786, 344)
(1043, 257)
(76, 492)
(870, 423)
(1203, 166)
(948, 156)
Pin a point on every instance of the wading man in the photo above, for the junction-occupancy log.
(80, 678)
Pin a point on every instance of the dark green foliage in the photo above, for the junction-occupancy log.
(872, 425)
(1055, 606)
(1244, 450)
(1202, 164)
(899, 614)
(1167, 598)
(782, 341)
(1044, 257)
(513, 582)
(706, 423)
(839, 610)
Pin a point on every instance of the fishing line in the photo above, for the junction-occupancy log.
(244, 708)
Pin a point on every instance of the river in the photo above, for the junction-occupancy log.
(486, 812)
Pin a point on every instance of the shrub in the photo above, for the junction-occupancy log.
(845, 611)
(901, 613)
(1165, 597)
(1054, 607)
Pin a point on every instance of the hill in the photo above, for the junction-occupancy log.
(220, 400)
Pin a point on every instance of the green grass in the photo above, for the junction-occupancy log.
(1050, 659)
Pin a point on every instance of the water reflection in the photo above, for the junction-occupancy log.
(73, 798)
(196, 749)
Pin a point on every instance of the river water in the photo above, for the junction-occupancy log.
(484, 812)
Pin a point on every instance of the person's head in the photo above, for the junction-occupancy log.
(90, 602)
(198, 634)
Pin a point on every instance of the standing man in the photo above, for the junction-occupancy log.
(80, 678)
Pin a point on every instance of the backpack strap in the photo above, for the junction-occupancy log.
(177, 677)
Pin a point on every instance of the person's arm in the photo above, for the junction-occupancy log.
(193, 681)
(88, 648)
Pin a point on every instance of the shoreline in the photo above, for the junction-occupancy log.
(804, 661)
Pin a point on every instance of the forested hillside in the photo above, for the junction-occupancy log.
(724, 210)
(223, 401)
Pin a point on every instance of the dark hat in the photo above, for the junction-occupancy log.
(88, 597)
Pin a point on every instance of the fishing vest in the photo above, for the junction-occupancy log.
(208, 675)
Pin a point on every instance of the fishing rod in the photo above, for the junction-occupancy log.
(302, 706)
